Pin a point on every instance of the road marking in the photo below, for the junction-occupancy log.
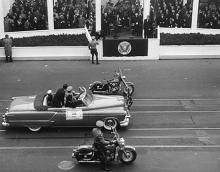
(156, 105)
(177, 111)
(155, 129)
(176, 146)
(160, 129)
(7, 100)
(173, 137)
(136, 146)
(175, 99)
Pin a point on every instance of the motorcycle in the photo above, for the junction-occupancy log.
(117, 85)
(116, 150)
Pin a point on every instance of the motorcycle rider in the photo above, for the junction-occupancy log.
(100, 143)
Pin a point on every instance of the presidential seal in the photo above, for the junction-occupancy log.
(124, 48)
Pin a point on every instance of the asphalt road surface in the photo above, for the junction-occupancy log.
(175, 124)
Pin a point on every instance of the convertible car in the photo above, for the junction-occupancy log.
(34, 113)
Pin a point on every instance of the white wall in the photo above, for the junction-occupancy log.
(6, 6)
(44, 33)
(189, 51)
(48, 53)
(189, 30)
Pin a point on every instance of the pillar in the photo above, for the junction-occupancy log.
(50, 15)
(1, 20)
(98, 14)
(146, 6)
(146, 11)
(195, 12)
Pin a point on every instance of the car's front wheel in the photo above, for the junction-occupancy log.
(34, 128)
(110, 123)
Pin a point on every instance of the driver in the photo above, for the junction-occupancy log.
(100, 143)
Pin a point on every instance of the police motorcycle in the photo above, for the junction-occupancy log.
(117, 85)
(116, 150)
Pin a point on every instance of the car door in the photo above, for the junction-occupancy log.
(71, 117)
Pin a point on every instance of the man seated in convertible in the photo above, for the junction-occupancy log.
(71, 99)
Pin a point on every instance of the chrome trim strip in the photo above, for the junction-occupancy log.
(5, 124)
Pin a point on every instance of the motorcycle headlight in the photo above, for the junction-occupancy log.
(122, 141)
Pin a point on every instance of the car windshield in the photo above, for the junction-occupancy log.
(87, 99)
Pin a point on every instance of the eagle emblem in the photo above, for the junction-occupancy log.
(124, 48)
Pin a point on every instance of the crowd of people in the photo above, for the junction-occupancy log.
(209, 16)
(129, 14)
(74, 14)
(172, 13)
(124, 14)
(121, 15)
(26, 15)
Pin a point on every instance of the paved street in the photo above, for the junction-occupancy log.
(175, 124)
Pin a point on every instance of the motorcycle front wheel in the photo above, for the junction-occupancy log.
(131, 88)
(128, 156)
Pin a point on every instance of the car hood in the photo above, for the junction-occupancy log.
(23, 103)
(102, 101)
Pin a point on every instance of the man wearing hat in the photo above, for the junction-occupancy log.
(8, 48)
(70, 97)
(100, 143)
(93, 50)
(58, 100)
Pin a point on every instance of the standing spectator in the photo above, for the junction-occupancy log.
(35, 24)
(81, 21)
(27, 25)
(93, 49)
(8, 48)
(7, 24)
(148, 28)
(105, 24)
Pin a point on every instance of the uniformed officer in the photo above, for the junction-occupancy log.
(100, 143)
(8, 48)
(92, 46)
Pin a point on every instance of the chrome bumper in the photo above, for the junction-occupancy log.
(5, 124)
(125, 122)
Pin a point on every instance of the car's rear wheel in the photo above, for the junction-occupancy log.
(34, 128)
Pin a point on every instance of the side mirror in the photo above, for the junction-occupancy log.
(110, 124)
(123, 77)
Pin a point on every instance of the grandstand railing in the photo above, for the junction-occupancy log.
(46, 32)
(189, 30)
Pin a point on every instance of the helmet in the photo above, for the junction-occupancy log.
(49, 92)
(99, 123)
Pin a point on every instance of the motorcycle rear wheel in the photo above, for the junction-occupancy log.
(130, 156)
(96, 87)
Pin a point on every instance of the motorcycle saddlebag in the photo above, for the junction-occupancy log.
(85, 149)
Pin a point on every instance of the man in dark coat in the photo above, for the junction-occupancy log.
(8, 48)
(58, 100)
(148, 28)
(100, 143)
